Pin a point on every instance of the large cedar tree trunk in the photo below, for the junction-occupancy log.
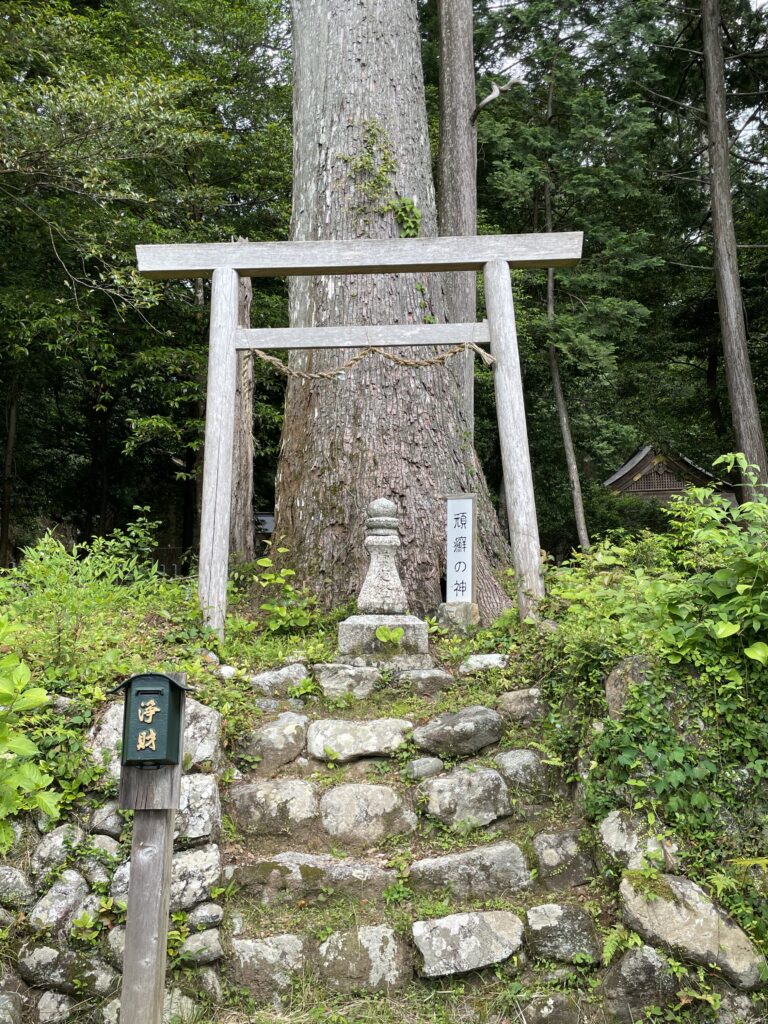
(360, 140)
(11, 420)
(242, 542)
(745, 412)
(457, 162)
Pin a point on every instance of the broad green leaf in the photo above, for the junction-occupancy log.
(9, 800)
(722, 629)
(723, 575)
(7, 690)
(21, 745)
(48, 803)
(21, 676)
(33, 698)
(27, 776)
(6, 837)
(758, 652)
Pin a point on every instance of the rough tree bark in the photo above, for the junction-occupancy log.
(241, 534)
(379, 429)
(554, 367)
(11, 419)
(457, 163)
(745, 412)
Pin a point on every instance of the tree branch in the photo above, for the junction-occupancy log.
(496, 91)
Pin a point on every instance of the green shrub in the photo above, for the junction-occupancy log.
(24, 786)
(690, 752)
(85, 619)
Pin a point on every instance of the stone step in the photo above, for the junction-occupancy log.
(353, 814)
(303, 875)
(290, 737)
(359, 673)
(340, 741)
(364, 813)
(497, 869)
(374, 957)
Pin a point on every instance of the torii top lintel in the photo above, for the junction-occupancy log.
(362, 256)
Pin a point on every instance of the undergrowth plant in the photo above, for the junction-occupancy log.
(83, 620)
(86, 618)
(689, 751)
(288, 608)
(24, 785)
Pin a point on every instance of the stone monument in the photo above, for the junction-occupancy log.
(402, 642)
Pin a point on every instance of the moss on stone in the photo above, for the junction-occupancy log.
(650, 887)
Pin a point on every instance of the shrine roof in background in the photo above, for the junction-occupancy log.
(654, 475)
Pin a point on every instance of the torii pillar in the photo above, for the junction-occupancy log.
(226, 262)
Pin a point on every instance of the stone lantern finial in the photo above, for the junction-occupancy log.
(382, 592)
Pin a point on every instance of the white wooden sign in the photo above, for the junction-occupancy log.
(460, 554)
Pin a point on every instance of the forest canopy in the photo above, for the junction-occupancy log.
(128, 121)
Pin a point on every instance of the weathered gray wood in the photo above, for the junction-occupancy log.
(146, 926)
(398, 335)
(226, 261)
(154, 789)
(217, 461)
(513, 436)
(363, 256)
(155, 796)
(150, 789)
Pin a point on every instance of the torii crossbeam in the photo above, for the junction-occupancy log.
(226, 262)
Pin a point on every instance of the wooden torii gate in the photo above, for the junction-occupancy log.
(227, 262)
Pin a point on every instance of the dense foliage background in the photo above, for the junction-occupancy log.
(125, 121)
(128, 121)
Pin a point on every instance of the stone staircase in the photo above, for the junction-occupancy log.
(379, 839)
(388, 854)
(389, 830)
(395, 833)
(348, 820)
(404, 847)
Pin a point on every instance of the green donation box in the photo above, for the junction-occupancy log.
(154, 706)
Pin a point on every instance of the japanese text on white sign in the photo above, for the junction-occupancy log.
(458, 576)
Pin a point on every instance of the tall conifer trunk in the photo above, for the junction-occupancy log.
(11, 420)
(745, 413)
(378, 429)
(242, 540)
(457, 162)
(554, 366)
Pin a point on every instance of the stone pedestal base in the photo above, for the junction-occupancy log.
(459, 616)
(358, 641)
